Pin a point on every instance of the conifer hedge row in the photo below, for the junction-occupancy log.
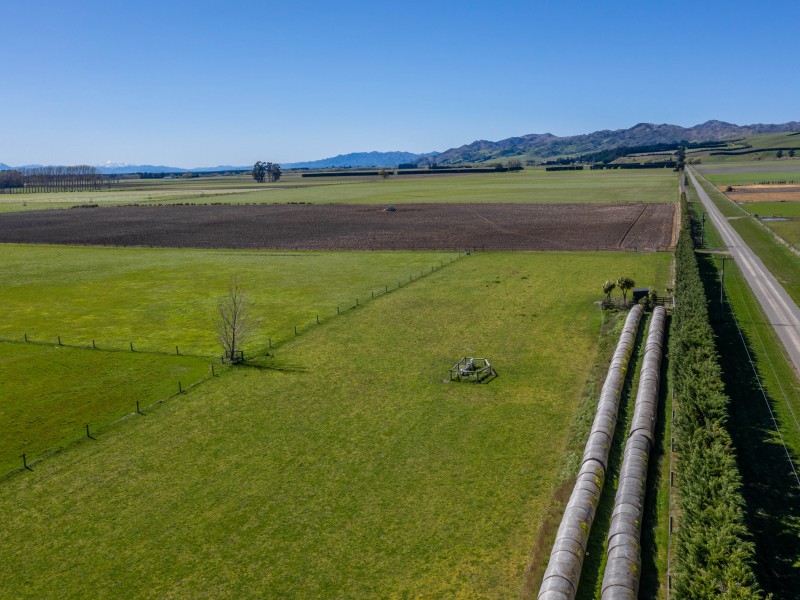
(713, 552)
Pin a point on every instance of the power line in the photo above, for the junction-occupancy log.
(764, 395)
(766, 354)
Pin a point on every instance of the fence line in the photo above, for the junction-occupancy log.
(94, 428)
(26, 460)
(301, 328)
(94, 345)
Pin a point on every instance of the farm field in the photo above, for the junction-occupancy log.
(789, 173)
(348, 465)
(789, 230)
(351, 227)
(772, 209)
(162, 298)
(532, 185)
(50, 392)
(758, 150)
(756, 194)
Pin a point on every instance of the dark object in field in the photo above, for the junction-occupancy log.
(353, 227)
(477, 370)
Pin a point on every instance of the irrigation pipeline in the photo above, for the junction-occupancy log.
(624, 564)
(566, 559)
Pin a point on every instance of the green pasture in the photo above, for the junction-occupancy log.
(48, 393)
(772, 209)
(774, 140)
(788, 230)
(347, 464)
(753, 177)
(530, 185)
(756, 142)
(182, 192)
(162, 298)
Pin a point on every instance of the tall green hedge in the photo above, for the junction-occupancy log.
(713, 552)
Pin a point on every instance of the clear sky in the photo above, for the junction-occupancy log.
(197, 84)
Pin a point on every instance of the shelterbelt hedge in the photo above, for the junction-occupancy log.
(713, 553)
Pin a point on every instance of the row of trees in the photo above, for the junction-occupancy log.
(266, 171)
(78, 178)
(713, 555)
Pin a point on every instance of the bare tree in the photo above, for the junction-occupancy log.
(234, 322)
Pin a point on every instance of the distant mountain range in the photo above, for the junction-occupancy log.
(362, 159)
(533, 146)
(546, 145)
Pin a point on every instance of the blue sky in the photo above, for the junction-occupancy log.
(194, 84)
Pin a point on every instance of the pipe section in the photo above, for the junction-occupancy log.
(566, 559)
(624, 563)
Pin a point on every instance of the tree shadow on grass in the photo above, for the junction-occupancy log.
(771, 493)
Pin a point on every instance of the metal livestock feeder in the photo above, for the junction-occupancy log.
(477, 370)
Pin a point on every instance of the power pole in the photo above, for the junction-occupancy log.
(722, 288)
(703, 231)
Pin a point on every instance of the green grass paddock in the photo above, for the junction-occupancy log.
(162, 298)
(49, 393)
(347, 465)
(751, 178)
(772, 209)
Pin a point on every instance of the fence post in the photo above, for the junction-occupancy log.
(180, 388)
(59, 340)
(93, 346)
(25, 462)
(176, 351)
(138, 411)
(88, 435)
(212, 372)
(131, 346)
(26, 338)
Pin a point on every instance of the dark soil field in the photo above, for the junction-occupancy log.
(352, 227)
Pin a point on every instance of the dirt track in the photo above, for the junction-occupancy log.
(352, 227)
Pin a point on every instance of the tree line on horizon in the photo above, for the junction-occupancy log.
(77, 178)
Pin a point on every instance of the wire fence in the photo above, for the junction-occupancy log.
(274, 341)
(31, 454)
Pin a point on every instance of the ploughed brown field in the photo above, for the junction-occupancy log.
(763, 193)
(352, 227)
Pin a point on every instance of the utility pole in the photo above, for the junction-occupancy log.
(703, 231)
(722, 288)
